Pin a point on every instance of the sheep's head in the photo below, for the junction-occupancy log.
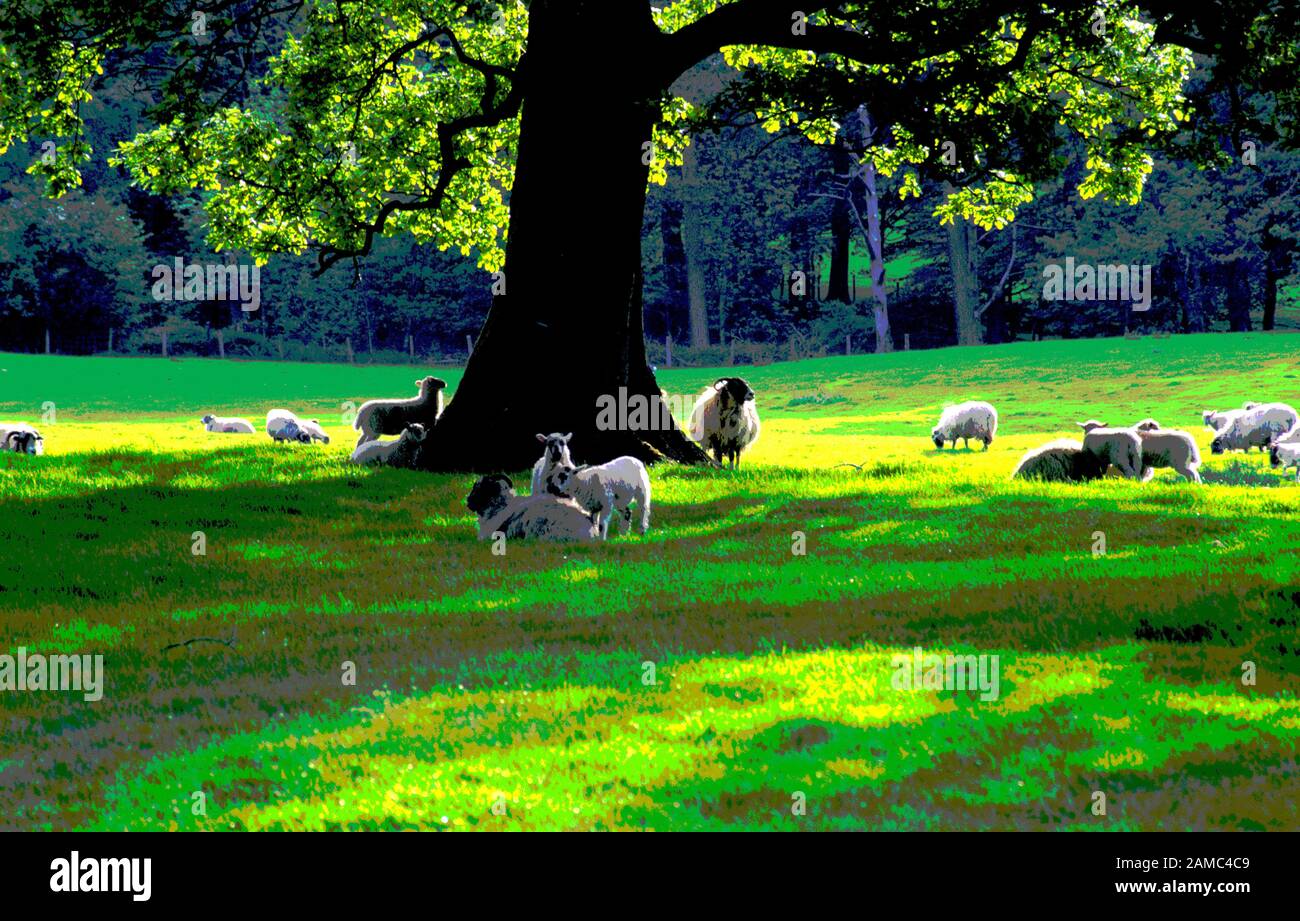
(734, 390)
(936, 437)
(488, 492)
(1092, 424)
(1274, 456)
(206, 420)
(1147, 425)
(556, 448)
(1218, 446)
(1249, 405)
(415, 432)
(26, 443)
(431, 384)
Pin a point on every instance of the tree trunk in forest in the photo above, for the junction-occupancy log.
(875, 244)
(961, 255)
(841, 228)
(568, 332)
(693, 246)
(1239, 296)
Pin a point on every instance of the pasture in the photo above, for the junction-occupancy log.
(704, 677)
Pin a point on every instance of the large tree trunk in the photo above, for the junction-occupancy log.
(568, 329)
(961, 255)
(841, 226)
(693, 242)
(1239, 296)
(876, 246)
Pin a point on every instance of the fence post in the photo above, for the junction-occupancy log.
(668, 351)
(221, 343)
(110, 339)
(848, 343)
(469, 344)
(907, 342)
(351, 356)
(410, 346)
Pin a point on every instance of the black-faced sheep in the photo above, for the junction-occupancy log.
(391, 417)
(282, 425)
(1061, 461)
(555, 453)
(228, 425)
(545, 517)
(1285, 454)
(1257, 427)
(605, 489)
(973, 419)
(399, 453)
(725, 419)
(20, 438)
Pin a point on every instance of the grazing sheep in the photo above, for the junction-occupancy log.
(399, 453)
(228, 425)
(1171, 449)
(1062, 461)
(20, 438)
(605, 489)
(1286, 454)
(974, 419)
(1257, 427)
(283, 425)
(545, 517)
(725, 419)
(391, 417)
(555, 452)
(1121, 447)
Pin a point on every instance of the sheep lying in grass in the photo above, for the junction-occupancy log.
(973, 419)
(1167, 448)
(391, 417)
(399, 453)
(1285, 455)
(1062, 461)
(1121, 447)
(545, 517)
(724, 419)
(1255, 427)
(555, 453)
(20, 438)
(605, 489)
(228, 425)
(282, 425)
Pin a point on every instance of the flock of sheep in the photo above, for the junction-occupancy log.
(1136, 451)
(576, 502)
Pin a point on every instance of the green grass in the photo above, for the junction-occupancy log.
(513, 692)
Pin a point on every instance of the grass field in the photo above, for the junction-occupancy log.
(705, 676)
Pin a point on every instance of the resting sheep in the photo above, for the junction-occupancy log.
(1255, 427)
(282, 425)
(228, 425)
(544, 517)
(1061, 461)
(399, 453)
(969, 420)
(555, 453)
(725, 419)
(1286, 454)
(20, 438)
(391, 417)
(605, 489)
(1121, 447)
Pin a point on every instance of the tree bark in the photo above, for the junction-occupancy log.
(693, 246)
(961, 255)
(875, 243)
(1239, 296)
(568, 330)
(841, 227)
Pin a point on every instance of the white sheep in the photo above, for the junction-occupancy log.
(1167, 448)
(555, 453)
(391, 417)
(1286, 454)
(21, 438)
(283, 425)
(973, 419)
(1256, 427)
(605, 489)
(1063, 460)
(399, 453)
(1121, 447)
(228, 425)
(545, 517)
(724, 419)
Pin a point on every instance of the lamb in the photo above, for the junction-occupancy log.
(228, 425)
(282, 425)
(1217, 421)
(1285, 454)
(725, 419)
(391, 417)
(1257, 427)
(555, 452)
(546, 517)
(1121, 447)
(20, 438)
(605, 489)
(969, 420)
(1063, 460)
(1168, 448)
(399, 453)
(1146, 425)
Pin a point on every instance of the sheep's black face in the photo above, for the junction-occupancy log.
(433, 383)
(1274, 456)
(206, 420)
(489, 491)
(937, 439)
(26, 443)
(1217, 446)
(735, 389)
(556, 448)
(416, 432)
